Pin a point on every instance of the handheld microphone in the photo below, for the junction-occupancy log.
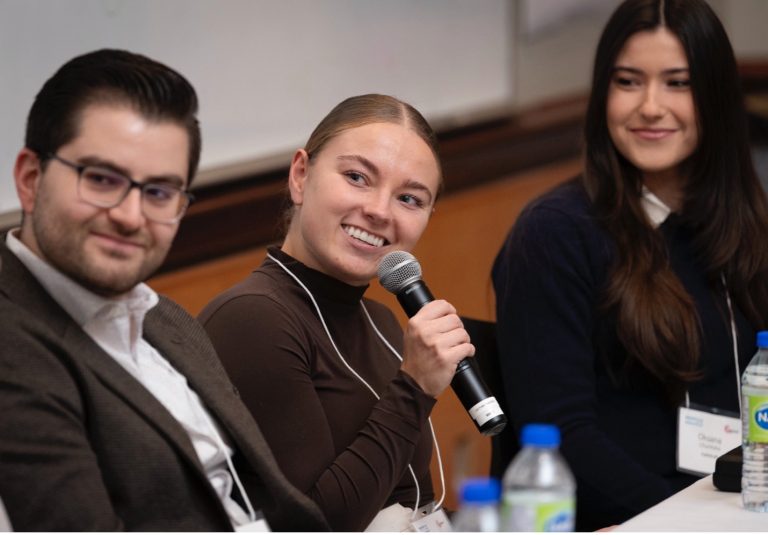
(400, 273)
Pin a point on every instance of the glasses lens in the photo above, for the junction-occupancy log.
(102, 187)
(163, 202)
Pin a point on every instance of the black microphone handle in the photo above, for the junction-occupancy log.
(466, 383)
(414, 296)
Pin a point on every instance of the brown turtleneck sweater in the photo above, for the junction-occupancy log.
(331, 437)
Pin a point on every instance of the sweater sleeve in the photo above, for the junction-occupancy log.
(266, 351)
(547, 301)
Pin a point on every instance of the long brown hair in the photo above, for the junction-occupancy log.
(724, 204)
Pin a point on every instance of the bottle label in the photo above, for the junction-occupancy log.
(535, 515)
(758, 418)
(485, 410)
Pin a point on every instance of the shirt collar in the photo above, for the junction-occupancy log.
(79, 302)
(655, 209)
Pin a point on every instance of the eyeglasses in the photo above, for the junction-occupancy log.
(105, 188)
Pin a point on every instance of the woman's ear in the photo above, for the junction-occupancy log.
(297, 176)
(27, 173)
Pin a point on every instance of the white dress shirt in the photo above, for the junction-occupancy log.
(115, 324)
(654, 208)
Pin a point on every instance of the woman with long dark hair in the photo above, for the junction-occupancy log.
(636, 289)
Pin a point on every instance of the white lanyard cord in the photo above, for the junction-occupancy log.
(236, 478)
(325, 327)
(208, 419)
(429, 419)
(735, 342)
(363, 381)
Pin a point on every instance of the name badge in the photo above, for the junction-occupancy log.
(259, 523)
(256, 525)
(703, 435)
(431, 519)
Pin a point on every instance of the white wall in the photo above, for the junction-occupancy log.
(555, 41)
(747, 23)
(267, 70)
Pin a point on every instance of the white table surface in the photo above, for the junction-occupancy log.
(700, 507)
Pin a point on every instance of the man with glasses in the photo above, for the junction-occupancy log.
(114, 410)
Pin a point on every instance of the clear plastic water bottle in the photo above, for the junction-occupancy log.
(539, 489)
(754, 429)
(479, 509)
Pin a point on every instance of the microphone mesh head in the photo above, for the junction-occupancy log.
(397, 270)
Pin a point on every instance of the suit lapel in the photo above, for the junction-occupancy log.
(21, 287)
(208, 380)
(122, 383)
(197, 361)
(188, 349)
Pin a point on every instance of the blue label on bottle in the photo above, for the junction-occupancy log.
(758, 418)
(561, 521)
(761, 416)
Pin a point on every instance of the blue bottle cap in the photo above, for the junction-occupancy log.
(762, 339)
(544, 435)
(480, 490)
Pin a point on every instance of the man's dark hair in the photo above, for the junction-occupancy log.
(112, 77)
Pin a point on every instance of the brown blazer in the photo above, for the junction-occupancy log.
(84, 446)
